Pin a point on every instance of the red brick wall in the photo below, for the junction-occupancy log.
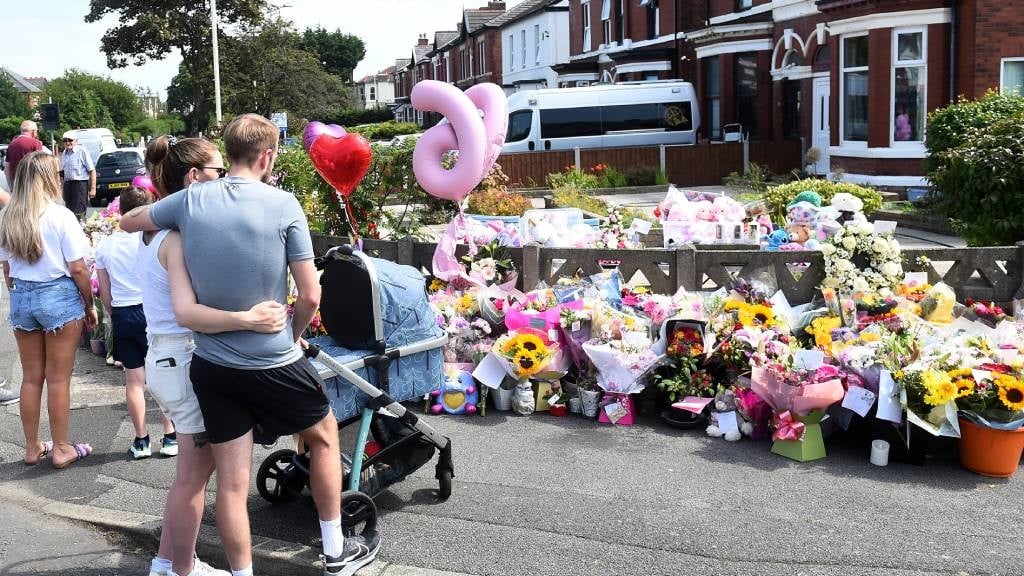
(965, 55)
(879, 87)
(938, 66)
(998, 33)
(880, 166)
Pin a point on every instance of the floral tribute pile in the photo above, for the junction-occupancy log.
(876, 346)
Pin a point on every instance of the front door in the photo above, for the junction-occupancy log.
(821, 137)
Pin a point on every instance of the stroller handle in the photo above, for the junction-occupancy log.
(311, 351)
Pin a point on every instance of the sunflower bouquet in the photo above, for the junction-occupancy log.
(929, 394)
(990, 399)
(527, 352)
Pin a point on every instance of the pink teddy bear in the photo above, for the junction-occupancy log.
(705, 211)
(728, 210)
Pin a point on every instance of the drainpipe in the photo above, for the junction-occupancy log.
(954, 29)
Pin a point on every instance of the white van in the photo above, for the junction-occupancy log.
(96, 141)
(602, 116)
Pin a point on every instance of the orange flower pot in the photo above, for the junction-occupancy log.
(988, 451)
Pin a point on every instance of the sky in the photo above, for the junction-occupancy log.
(51, 36)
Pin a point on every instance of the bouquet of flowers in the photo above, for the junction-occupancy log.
(928, 393)
(613, 233)
(491, 264)
(97, 227)
(686, 374)
(526, 352)
(990, 314)
(789, 390)
(993, 399)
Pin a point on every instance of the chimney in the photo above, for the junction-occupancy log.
(423, 40)
(496, 5)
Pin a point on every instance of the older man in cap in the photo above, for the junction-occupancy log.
(79, 175)
(23, 144)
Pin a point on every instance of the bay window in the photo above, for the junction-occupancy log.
(909, 86)
(853, 78)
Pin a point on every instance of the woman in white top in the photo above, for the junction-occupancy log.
(175, 164)
(44, 248)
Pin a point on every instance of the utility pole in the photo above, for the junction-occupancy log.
(216, 62)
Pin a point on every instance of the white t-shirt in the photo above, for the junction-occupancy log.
(118, 255)
(63, 242)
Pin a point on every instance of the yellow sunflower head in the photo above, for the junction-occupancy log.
(527, 364)
(531, 343)
(757, 315)
(1011, 394)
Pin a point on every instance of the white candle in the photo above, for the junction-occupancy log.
(879, 452)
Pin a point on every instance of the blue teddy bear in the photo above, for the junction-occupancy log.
(458, 395)
(776, 240)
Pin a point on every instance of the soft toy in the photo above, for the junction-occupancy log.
(802, 213)
(776, 240)
(725, 401)
(808, 196)
(457, 395)
(848, 207)
(756, 413)
(704, 211)
(728, 210)
(682, 212)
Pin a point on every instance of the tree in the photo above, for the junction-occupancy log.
(267, 72)
(339, 53)
(89, 101)
(12, 103)
(144, 33)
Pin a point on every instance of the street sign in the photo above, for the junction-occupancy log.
(51, 116)
(280, 119)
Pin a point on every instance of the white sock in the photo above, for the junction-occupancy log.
(244, 572)
(332, 536)
(160, 564)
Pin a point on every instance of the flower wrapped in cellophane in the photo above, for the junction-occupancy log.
(527, 353)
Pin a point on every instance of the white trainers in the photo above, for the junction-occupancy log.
(199, 568)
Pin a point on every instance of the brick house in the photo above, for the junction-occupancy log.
(403, 86)
(27, 89)
(534, 39)
(376, 90)
(628, 40)
(791, 69)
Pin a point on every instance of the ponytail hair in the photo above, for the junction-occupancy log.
(169, 159)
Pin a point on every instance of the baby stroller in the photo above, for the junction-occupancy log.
(384, 347)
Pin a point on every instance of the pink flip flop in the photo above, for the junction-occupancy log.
(82, 449)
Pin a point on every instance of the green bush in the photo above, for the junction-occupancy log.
(10, 127)
(982, 183)
(611, 178)
(574, 178)
(641, 176)
(950, 127)
(777, 197)
(498, 202)
(386, 130)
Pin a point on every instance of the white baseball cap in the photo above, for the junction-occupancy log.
(69, 135)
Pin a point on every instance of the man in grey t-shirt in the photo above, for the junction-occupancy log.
(241, 237)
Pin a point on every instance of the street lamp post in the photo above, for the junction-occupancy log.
(216, 62)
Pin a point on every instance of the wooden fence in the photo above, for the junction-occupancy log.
(987, 274)
(701, 165)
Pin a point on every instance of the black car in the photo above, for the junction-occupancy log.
(115, 171)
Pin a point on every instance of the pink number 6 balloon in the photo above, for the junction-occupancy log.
(478, 141)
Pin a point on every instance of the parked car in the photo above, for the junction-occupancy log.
(114, 172)
(602, 116)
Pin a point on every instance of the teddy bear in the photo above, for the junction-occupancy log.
(809, 196)
(682, 212)
(728, 210)
(725, 401)
(704, 211)
(802, 213)
(848, 208)
(755, 411)
(457, 395)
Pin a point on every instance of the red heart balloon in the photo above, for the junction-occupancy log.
(343, 161)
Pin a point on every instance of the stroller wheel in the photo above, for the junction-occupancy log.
(278, 479)
(444, 482)
(358, 513)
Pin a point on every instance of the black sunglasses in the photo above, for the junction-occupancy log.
(220, 171)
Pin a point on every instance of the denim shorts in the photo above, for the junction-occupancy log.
(45, 306)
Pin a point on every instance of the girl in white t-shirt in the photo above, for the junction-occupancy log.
(43, 248)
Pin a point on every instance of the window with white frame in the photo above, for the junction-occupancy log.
(463, 61)
(606, 21)
(909, 85)
(653, 19)
(620, 24)
(744, 4)
(1011, 76)
(511, 51)
(586, 26)
(536, 44)
(373, 94)
(481, 56)
(522, 41)
(853, 78)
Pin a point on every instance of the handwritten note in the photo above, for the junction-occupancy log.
(727, 422)
(889, 406)
(860, 400)
(491, 370)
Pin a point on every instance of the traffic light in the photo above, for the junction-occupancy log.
(51, 116)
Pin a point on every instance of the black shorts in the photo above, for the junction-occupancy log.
(281, 401)
(130, 344)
